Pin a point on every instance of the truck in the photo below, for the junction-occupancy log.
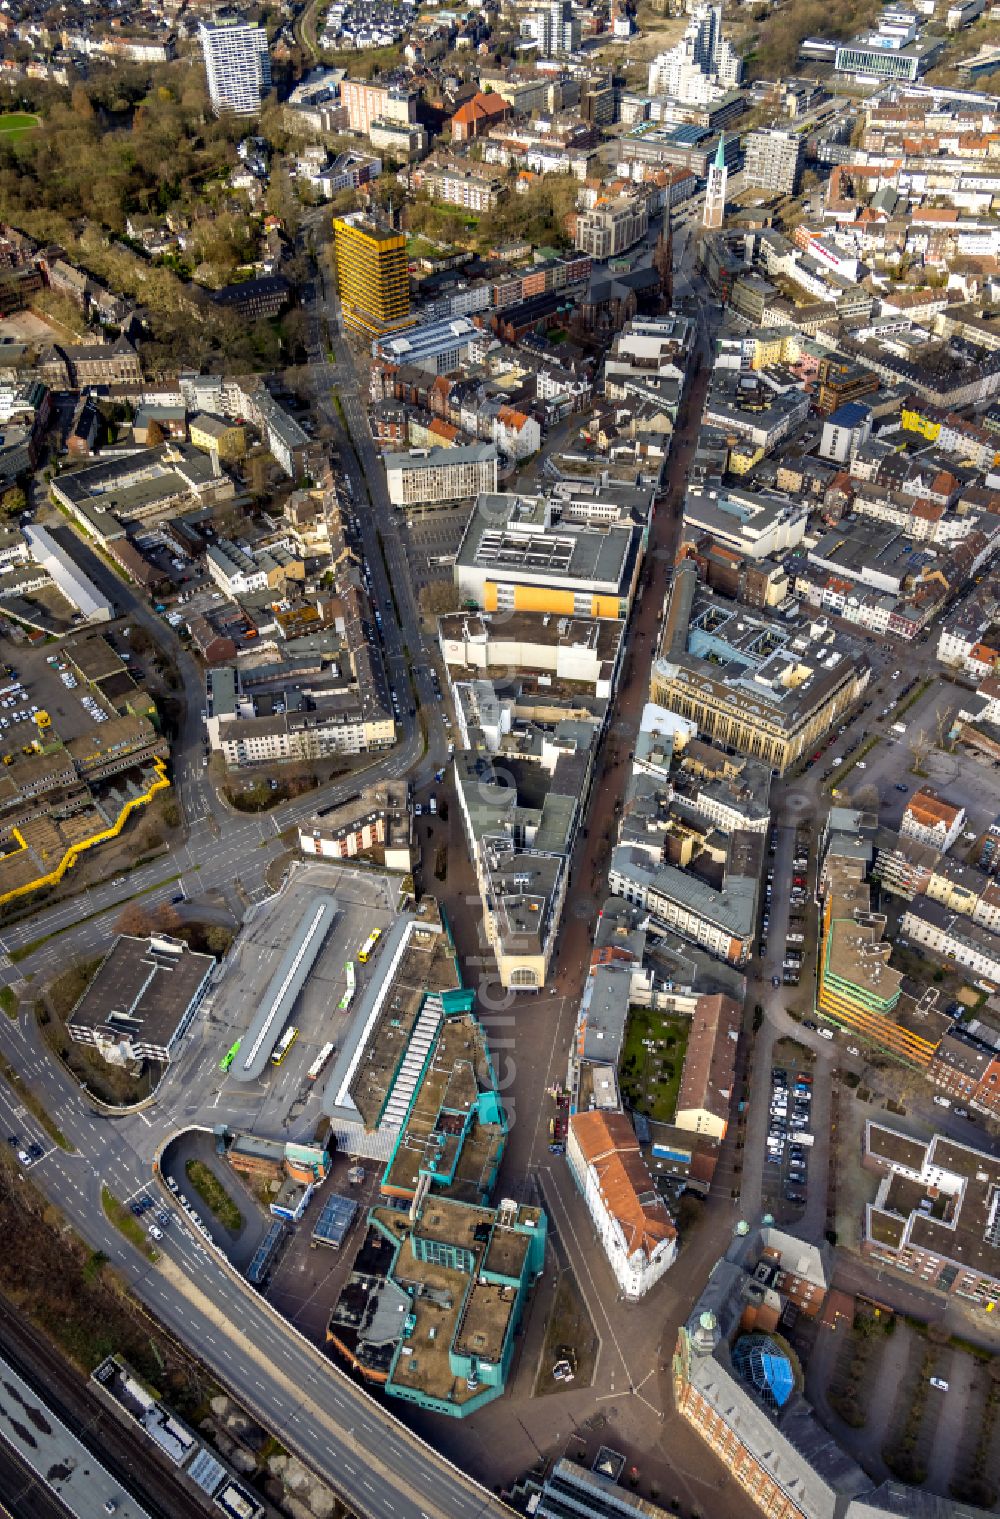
(898, 728)
(795, 938)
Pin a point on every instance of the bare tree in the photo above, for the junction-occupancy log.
(134, 919)
(920, 747)
(942, 725)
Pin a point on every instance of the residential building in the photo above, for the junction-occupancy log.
(702, 66)
(935, 1213)
(719, 917)
(612, 226)
(474, 187)
(631, 1218)
(774, 158)
(954, 937)
(930, 819)
(237, 64)
(369, 102)
(142, 1000)
(845, 431)
(434, 476)
(372, 276)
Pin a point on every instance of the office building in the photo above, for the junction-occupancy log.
(774, 160)
(433, 476)
(431, 1309)
(372, 276)
(142, 1000)
(631, 1219)
(237, 65)
(858, 989)
(440, 346)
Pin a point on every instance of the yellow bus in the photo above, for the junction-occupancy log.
(284, 1044)
(364, 953)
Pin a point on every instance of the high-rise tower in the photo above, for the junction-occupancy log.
(715, 189)
(372, 276)
(237, 64)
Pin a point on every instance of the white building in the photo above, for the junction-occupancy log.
(428, 476)
(631, 1219)
(233, 570)
(237, 65)
(702, 66)
(930, 820)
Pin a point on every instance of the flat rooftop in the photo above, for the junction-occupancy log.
(142, 990)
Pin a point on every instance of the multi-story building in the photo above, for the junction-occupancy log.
(631, 1218)
(735, 1385)
(612, 226)
(142, 1000)
(519, 553)
(767, 688)
(953, 937)
(702, 66)
(433, 476)
(475, 117)
(378, 820)
(720, 918)
(440, 346)
(237, 64)
(935, 1213)
(367, 102)
(967, 1069)
(774, 159)
(372, 276)
(929, 819)
(474, 187)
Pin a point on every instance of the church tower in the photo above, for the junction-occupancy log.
(715, 189)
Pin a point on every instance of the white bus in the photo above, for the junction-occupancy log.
(320, 1061)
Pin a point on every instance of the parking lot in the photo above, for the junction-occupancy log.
(430, 536)
(43, 680)
(789, 1134)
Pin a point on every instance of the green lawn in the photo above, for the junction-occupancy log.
(18, 123)
(650, 1076)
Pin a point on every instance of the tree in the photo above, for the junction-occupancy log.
(135, 920)
(920, 747)
(13, 501)
(166, 918)
(218, 938)
(81, 103)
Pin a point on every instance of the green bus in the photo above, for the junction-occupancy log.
(230, 1056)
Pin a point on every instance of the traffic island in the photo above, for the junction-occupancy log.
(214, 1195)
(116, 1213)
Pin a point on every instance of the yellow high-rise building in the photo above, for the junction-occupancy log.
(372, 276)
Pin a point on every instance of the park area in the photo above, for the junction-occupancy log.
(16, 124)
(652, 1061)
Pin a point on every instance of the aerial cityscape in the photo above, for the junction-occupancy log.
(500, 759)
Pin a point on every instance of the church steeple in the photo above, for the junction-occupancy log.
(715, 188)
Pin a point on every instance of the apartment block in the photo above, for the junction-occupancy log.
(774, 158)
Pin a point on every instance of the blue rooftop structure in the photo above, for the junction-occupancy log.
(760, 1360)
